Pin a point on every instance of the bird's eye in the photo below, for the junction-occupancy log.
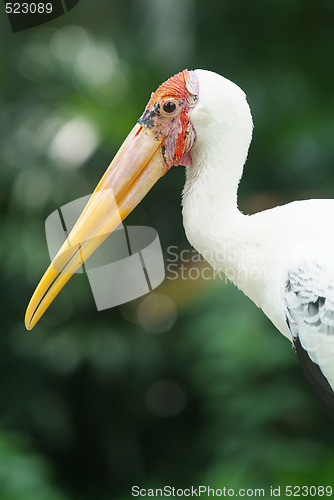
(169, 107)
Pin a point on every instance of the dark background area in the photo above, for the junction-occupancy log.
(191, 384)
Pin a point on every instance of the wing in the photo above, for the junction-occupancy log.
(309, 310)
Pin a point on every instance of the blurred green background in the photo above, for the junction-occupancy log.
(191, 384)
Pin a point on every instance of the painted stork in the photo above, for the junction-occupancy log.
(280, 258)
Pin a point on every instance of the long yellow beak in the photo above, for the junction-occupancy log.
(134, 170)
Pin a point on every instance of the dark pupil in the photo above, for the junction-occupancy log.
(169, 107)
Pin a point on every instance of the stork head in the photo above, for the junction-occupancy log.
(223, 123)
(167, 115)
(191, 112)
(162, 138)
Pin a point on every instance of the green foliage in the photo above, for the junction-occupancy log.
(23, 474)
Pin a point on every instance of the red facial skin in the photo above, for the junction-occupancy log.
(179, 92)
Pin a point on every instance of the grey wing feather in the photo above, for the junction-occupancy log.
(309, 310)
(309, 300)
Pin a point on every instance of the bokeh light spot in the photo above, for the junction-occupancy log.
(74, 143)
(165, 398)
(157, 312)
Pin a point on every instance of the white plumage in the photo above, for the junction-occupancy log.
(280, 258)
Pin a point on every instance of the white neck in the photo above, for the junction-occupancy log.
(230, 241)
(212, 221)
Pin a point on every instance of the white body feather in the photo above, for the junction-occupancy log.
(256, 252)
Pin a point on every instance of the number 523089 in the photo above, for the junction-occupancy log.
(28, 8)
